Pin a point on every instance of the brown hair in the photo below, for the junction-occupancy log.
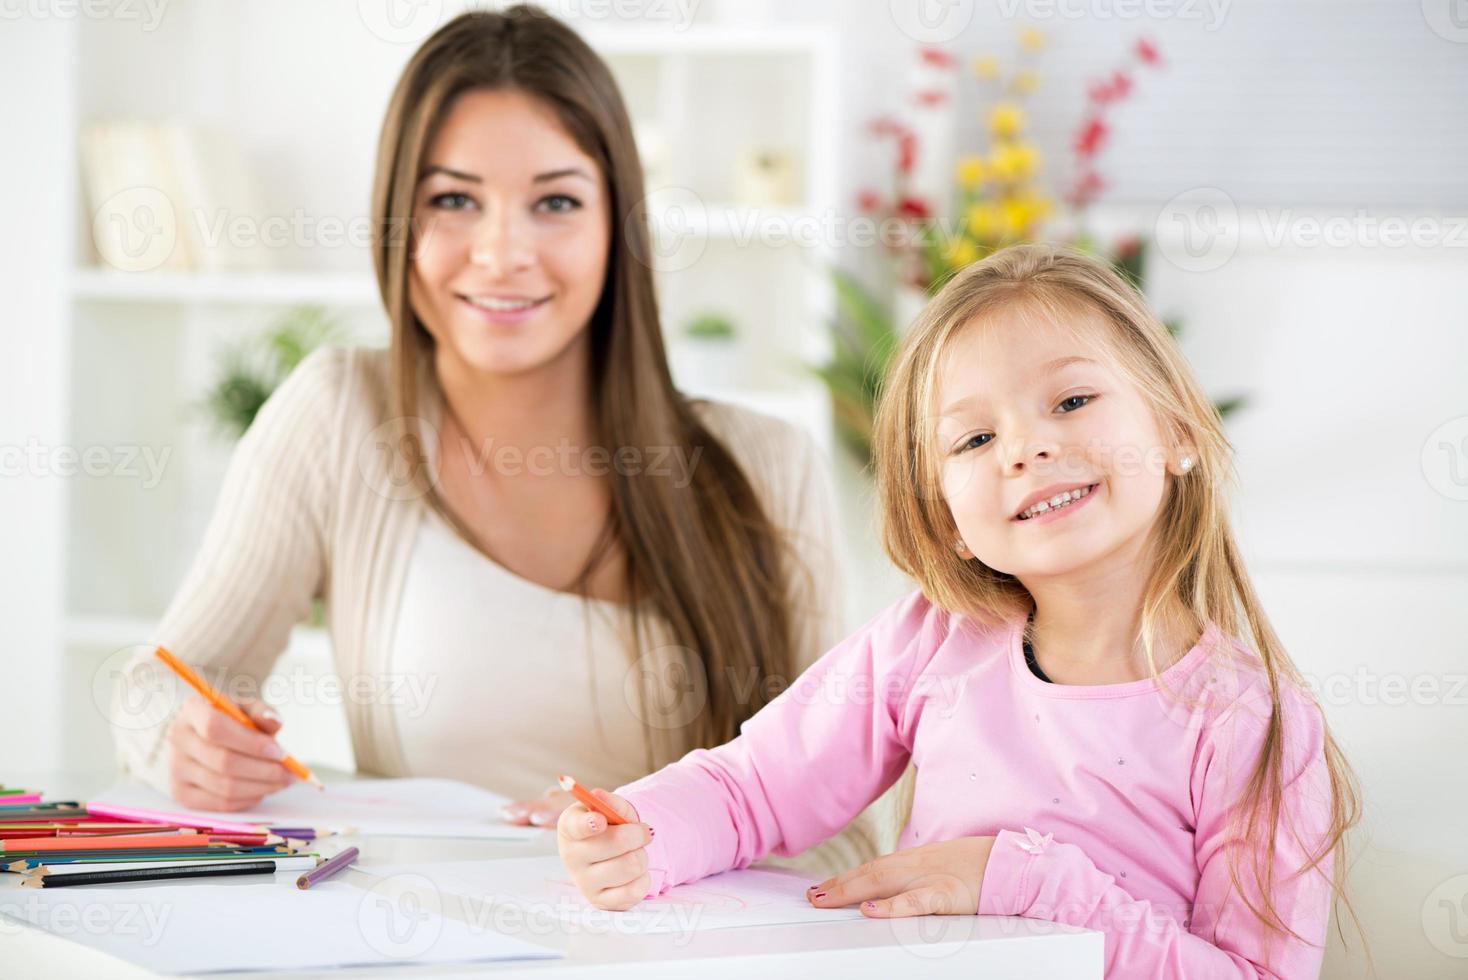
(703, 556)
(1196, 563)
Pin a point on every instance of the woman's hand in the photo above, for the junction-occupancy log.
(538, 813)
(218, 764)
(934, 879)
(608, 864)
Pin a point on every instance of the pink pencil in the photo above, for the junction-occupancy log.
(176, 819)
(21, 798)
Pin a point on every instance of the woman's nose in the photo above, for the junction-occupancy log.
(501, 244)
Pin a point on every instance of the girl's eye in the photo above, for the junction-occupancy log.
(975, 441)
(559, 203)
(442, 201)
(1078, 400)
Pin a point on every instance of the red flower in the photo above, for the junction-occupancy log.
(929, 97)
(937, 57)
(1089, 138)
(868, 200)
(906, 152)
(912, 207)
(1127, 246)
(1121, 85)
(1147, 51)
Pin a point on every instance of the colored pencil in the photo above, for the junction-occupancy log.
(97, 843)
(224, 704)
(146, 874)
(71, 857)
(290, 863)
(590, 802)
(117, 812)
(21, 798)
(327, 869)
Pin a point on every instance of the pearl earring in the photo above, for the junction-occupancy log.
(1186, 463)
(960, 547)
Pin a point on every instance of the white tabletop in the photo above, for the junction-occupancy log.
(934, 946)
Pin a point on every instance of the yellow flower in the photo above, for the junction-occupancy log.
(1006, 119)
(1017, 217)
(961, 252)
(987, 68)
(1014, 161)
(970, 172)
(1031, 39)
(985, 221)
(1026, 81)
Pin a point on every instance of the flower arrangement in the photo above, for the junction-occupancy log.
(998, 199)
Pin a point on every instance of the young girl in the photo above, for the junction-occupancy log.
(1093, 742)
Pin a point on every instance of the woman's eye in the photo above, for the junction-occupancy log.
(443, 201)
(1074, 402)
(559, 203)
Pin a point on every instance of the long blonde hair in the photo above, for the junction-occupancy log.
(1196, 566)
(701, 552)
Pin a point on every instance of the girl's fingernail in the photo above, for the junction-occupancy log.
(820, 895)
(591, 822)
(651, 833)
(869, 906)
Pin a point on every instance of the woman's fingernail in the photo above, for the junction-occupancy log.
(274, 751)
(820, 895)
(591, 822)
(869, 906)
(651, 833)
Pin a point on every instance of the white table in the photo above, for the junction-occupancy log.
(932, 946)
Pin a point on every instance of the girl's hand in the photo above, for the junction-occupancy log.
(215, 763)
(934, 879)
(608, 864)
(539, 813)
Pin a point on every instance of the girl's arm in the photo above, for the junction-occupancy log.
(1220, 936)
(262, 560)
(803, 766)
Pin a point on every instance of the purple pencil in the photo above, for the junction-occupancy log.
(323, 871)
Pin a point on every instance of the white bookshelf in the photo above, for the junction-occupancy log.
(135, 351)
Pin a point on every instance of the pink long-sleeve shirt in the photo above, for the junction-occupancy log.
(1110, 804)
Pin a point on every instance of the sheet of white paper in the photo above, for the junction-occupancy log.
(541, 889)
(215, 928)
(373, 807)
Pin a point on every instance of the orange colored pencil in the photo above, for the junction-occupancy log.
(590, 802)
(224, 704)
(102, 843)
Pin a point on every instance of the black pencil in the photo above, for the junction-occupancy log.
(146, 874)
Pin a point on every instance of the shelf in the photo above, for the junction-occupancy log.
(241, 288)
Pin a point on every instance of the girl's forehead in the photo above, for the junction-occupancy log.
(1021, 344)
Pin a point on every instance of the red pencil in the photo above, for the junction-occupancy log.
(590, 802)
(102, 843)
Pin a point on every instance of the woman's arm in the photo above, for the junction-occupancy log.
(263, 559)
(803, 766)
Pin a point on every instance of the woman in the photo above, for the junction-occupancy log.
(512, 507)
